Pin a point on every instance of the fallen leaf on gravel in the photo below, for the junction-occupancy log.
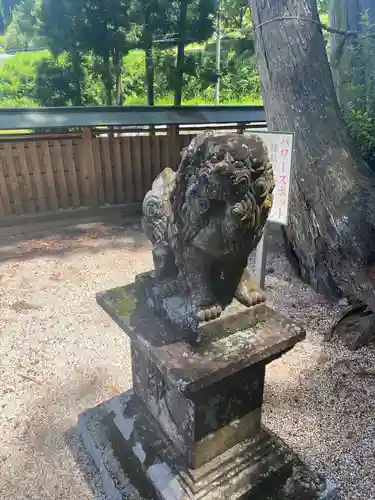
(30, 379)
(22, 305)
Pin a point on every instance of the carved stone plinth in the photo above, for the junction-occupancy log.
(192, 429)
(177, 308)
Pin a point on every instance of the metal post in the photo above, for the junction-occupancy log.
(261, 260)
(218, 55)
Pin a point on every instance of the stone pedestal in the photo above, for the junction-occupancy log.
(192, 429)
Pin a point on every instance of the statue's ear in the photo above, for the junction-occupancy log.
(185, 159)
(184, 153)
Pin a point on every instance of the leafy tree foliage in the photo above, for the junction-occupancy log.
(23, 31)
(6, 9)
(235, 14)
(193, 21)
(53, 85)
(100, 27)
(353, 69)
(173, 23)
(91, 39)
(107, 33)
(62, 23)
(153, 20)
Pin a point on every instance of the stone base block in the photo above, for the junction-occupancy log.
(138, 462)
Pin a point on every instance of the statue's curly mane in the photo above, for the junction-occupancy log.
(207, 155)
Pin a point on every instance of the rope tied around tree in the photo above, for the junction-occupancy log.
(336, 31)
(323, 26)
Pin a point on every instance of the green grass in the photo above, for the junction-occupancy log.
(196, 101)
(199, 101)
(14, 132)
(18, 79)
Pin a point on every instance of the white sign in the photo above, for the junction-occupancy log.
(280, 147)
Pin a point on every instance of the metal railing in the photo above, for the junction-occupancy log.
(96, 116)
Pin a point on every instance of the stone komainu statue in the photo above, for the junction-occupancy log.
(204, 220)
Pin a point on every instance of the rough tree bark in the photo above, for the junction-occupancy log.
(331, 231)
(107, 79)
(180, 61)
(149, 74)
(117, 63)
(147, 40)
(77, 72)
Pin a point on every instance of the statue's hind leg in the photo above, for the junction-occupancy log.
(164, 262)
(166, 270)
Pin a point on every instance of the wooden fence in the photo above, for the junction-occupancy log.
(92, 166)
(48, 172)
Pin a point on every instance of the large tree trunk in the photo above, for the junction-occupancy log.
(179, 81)
(117, 63)
(107, 80)
(149, 73)
(149, 60)
(352, 70)
(77, 72)
(331, 228)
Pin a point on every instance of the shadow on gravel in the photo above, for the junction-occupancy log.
(93, 237)
(84, 462)
(49, 461)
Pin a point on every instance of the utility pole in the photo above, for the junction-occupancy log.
(218, 54)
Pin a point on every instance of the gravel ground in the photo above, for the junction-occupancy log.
(61, 354)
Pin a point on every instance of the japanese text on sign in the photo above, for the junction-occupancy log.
(280, 147)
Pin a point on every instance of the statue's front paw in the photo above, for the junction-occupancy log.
(249, 298)
(209, 313)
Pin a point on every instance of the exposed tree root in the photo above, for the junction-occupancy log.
(356, 326)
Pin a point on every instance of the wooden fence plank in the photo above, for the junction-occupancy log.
(28, 202)
(98, 171)
(13, 179)
(106, 158)
(164, 152)
(117, 169)
(37, 177)
(60, 174)
(90, 167)
(184, 140)
(79, 149)
(4, 196)
(50, 178)
(70, 166)
(155, 155)
(128, 175)
(146, 162)
(173, 146)
(137, 168)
